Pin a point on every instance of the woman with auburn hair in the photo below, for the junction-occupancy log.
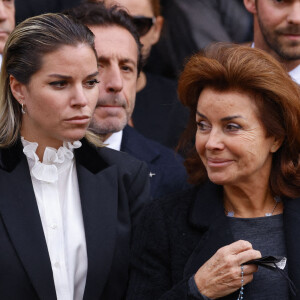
(67, 208)
(242, 145)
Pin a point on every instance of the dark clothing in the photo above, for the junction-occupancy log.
(180, 233)
(266, 234)
(170, 174)
(30, 8)
(158, 114)
(113, 189)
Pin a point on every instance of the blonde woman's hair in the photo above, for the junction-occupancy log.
(22, 57)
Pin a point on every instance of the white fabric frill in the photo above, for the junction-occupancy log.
(54, 160)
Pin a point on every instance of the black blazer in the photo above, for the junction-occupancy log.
(113, 189)
(170, 174)
(180, 233)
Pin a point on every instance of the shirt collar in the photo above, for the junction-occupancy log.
(114, 141)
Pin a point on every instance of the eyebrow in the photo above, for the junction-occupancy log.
(70, 77)
(122, 60)
(223, 119)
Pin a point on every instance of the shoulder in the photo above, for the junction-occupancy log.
(141, 147)
(98, 158)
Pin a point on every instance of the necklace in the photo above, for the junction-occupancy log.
(268, 214)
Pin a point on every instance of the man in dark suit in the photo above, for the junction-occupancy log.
(119, 52)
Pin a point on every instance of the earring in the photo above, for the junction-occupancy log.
(23, 109)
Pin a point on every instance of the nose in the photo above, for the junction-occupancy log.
(3, 12)
(293, 16)
(113, 80)
(215, 140)
(79, 97)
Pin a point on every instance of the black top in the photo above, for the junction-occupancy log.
(158, 114)
(266, 235)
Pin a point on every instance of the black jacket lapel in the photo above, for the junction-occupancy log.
(99, 193)
(21, 217)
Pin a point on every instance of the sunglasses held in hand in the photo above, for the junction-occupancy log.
(143, 24)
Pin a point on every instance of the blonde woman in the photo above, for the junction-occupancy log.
(66, 207)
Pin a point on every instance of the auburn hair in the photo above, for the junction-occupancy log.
(228, 67)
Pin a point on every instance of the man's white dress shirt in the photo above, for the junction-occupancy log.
(114, 141)
(56, 190)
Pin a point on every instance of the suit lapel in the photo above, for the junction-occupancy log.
(98, 187)
(291, 219)
(20, 214)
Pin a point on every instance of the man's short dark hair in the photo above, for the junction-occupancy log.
(94, 13)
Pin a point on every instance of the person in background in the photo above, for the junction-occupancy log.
(67, 207)
(7, 22)
(192, 25)
(277, 31)
(199, 244)
(30, 8)
(119, 58)
(158, 114)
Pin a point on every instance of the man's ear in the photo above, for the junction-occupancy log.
(17, 89)
(251, 6)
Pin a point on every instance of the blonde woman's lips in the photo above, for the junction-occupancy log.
(79, 120)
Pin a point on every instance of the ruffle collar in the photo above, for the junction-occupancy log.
(54, 160)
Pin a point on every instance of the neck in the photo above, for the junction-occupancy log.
(141, 82)
(249, 203)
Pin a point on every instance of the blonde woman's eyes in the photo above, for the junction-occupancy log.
(91, 83)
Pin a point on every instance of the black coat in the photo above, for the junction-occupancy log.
(113, 189)
(181, 232)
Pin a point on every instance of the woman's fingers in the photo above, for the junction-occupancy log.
(247, 255)
(250, 269)
(222, 274)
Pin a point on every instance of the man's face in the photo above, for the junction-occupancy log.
(7, 21)
(118, 54)
(279, 26)
(142, 8)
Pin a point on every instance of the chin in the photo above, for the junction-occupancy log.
(74, 137)
(220, 180)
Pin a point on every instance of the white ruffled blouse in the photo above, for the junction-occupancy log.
(56, 190)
